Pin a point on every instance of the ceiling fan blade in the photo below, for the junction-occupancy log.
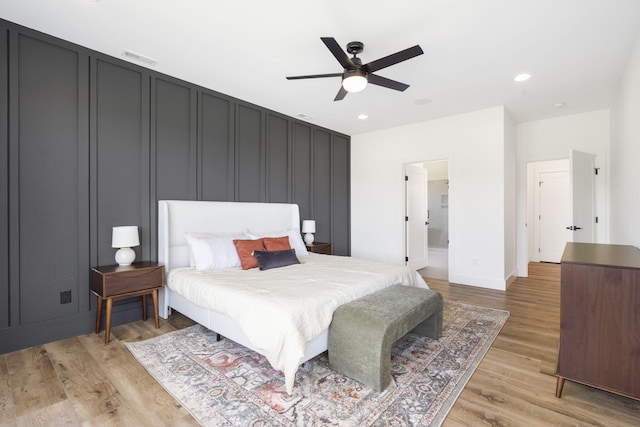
(392, 59)
(341, 94)
(337, 51)
(388, 83)
(314, 76)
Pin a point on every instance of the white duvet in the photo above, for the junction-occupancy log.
(281, 309)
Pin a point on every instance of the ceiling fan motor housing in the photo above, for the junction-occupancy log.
(355, 72)
(355, 48)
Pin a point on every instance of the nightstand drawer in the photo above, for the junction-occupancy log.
(123, 282)
(321, 248)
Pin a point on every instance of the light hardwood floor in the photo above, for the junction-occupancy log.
(81, 381)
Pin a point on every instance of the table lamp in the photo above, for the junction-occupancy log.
(308, 227)
(124, 238)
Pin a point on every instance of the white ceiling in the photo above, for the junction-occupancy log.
(574, 49)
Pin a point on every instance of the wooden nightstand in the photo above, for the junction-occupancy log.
(115, 282)
(320, 248)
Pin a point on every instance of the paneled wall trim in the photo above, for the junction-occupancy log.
(88, 142)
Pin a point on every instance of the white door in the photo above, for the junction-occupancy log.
(582, 169)
(416, 217)
(554, 215)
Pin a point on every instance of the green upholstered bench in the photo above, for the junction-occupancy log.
(362, 332)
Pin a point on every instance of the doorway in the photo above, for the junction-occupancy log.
(560, 205)
(436, 224)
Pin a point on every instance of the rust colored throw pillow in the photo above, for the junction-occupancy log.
(245, 250)
(276, 243)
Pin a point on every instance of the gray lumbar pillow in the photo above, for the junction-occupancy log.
(275, 259)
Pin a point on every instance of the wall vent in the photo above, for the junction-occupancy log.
(304, 116)
(139, 58)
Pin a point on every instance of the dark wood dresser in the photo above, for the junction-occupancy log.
(600, 318)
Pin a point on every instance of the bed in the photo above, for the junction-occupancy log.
(282, 313)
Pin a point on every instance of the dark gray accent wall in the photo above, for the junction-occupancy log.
(302, 168)
(122, 149)
(278, 148)
(47, 196)
(174, 132)
(216, 144)
(88, 142)
(249, 154)
(5, 296)
(340, 195)
(322, 181)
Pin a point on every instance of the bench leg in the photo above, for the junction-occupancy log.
(349, 357)
(431, 327)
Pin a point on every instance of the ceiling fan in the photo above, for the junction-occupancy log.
(356, 75)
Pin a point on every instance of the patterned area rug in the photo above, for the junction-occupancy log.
(224, 384)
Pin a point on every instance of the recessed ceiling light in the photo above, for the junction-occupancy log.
(422, 101)
(522, 77)
(558, 105)
(363, 117)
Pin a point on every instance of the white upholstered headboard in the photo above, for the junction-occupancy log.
(176, 217)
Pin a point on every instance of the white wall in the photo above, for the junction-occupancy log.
(625, 156)
(474, 145)
(510, 231)
(552, 139)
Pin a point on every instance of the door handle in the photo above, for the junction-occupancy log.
(573, 227)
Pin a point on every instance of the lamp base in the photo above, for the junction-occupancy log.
(308, 239)
(125, 256)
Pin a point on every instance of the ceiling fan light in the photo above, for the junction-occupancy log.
(354, 83)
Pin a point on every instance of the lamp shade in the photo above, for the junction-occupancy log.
(308, 226)
(354, 83)
(354, 80)
(125, 237)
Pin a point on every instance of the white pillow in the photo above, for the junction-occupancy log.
(201, 235)
(295, 239)
(214, 253)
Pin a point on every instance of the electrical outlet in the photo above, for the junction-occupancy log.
(65, 297)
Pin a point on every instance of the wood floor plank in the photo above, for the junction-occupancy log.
(7, 406)
(33, 380)
(89, 391)
(56, 414)
(140, 330)
(141, 394)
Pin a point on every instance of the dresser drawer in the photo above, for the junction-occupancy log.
(123, 282)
